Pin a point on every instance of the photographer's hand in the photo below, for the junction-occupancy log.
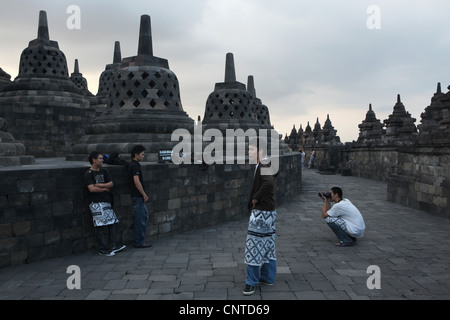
(326, 206)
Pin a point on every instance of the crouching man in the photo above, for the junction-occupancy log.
(343, 217)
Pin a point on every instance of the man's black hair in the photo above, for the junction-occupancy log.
(136, 150)
(337, 191)
(93, 155)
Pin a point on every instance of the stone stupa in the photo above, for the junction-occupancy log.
(371, 129)
(230, 105)
(144, 107)
(400, 127)
(107, 76)
(44, 108)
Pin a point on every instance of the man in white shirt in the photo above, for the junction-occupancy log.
(343, 218)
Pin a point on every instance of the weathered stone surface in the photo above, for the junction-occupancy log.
(45, 110)
(230, 105)
(80, 81)
(400, 125)
(144, 106)
(46, 216)
(12, 153)
(371, 128)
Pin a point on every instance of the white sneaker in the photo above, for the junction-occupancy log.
(118, 248)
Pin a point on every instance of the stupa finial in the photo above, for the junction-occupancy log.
(251, 86)
(117, 53)
(43, 26)
(145, 36)
(76, 68)
(230, 73)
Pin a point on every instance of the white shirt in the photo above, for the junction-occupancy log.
(354, 221)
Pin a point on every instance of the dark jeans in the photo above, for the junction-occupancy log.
(100, 236)
(339, 229)
(140, 221)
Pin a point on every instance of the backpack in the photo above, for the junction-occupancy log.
(114, 159)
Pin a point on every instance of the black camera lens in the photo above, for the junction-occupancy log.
(326, 194)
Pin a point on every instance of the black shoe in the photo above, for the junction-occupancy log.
(344, 244)
(249, 290)
(118, 248)
(143, 246)
(106, 253)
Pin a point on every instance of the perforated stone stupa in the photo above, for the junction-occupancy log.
(107, 76)
(43, 66)
(79, 80)
(45, 110)
(144, 106)
(230, 105)
(262, 112)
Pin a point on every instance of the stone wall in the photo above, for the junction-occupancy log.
(44, 211)
(376, 162)
(45, 130)
(423, 179)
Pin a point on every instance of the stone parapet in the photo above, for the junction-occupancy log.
(44, 208)
(423, 179)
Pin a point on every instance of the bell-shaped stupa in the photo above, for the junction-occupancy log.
(144, 106)
(230, 105)
(43, 99)
(261, 110)
(80, 81)
(107, 76)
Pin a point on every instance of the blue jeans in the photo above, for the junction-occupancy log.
(140, 220)
(340, 230)
(266, 273)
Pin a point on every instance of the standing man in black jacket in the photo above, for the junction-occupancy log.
(260, 254)
(139, 196)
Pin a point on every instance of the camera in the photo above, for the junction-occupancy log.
(325, 194)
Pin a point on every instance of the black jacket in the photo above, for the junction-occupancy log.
(263, 190)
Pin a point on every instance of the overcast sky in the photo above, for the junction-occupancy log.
(308, 58)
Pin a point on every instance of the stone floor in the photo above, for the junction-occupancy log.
(410, 247)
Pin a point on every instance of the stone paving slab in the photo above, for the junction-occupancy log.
(411, 248)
